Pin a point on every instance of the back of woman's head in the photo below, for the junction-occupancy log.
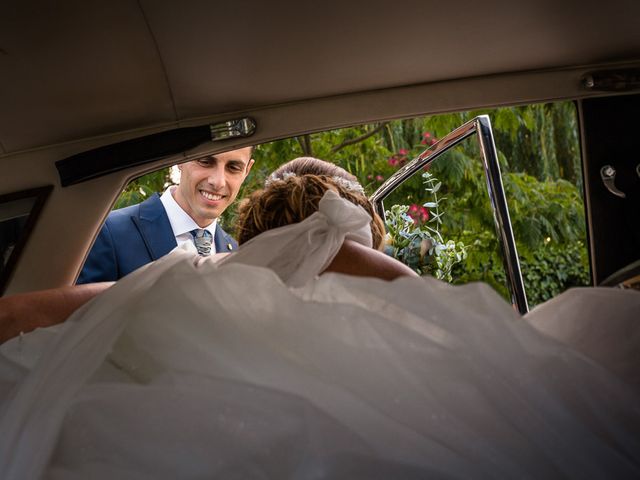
(312, 166)
(293, 192)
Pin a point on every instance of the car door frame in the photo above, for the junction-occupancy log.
(479, 126)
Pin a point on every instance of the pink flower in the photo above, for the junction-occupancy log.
(427, 139)
(418, 213)
(369, 177)
(393, 161)
(379, 178)
(403, 152)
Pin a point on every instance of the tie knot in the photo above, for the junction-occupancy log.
(202, 239)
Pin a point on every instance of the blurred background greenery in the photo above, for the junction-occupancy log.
(539, 156)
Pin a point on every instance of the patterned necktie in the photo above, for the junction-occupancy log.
(202, 238)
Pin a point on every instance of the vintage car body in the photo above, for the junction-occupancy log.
(77, 76)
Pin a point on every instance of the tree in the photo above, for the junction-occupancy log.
(539, 156)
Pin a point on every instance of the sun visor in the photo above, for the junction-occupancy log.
(138, 151)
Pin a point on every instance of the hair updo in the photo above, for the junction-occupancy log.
(293, 192)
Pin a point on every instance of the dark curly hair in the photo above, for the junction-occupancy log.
(293, 193)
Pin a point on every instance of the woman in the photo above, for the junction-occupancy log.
(254, 367)
(293, 193)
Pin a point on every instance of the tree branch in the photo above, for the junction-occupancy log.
(305, 144)
(359, 139)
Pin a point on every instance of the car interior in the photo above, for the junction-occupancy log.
(94, 96)
(341, 376)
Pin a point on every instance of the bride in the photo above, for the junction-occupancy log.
(254, 366)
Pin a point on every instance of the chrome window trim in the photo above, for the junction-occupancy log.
(481, 126)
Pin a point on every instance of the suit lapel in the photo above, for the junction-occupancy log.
(154, 227)
(224, 242)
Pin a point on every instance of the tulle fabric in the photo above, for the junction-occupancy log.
(190, 369)
(297, 253)
(603, 323)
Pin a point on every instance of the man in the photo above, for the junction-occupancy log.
(136, 235)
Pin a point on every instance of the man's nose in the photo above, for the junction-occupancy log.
(216, 178)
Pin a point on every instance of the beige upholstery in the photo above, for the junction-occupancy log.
(77, 75)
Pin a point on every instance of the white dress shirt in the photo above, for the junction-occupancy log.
(181, 222)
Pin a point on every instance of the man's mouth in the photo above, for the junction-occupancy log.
(211, 196)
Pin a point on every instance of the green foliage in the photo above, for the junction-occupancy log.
(544, 209)
(484, 263)
(418, 243)
(543, 214)
(552, 268)
(143, 187)
(547, 270)
(539, 156)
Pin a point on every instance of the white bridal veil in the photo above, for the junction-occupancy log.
(190, 369)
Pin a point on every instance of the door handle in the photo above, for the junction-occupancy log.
(608, 175)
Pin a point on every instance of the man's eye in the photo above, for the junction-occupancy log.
(235, 167)
(204, 162)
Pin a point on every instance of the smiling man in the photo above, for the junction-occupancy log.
(136, 235)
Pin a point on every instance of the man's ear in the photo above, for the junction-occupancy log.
(249, 165)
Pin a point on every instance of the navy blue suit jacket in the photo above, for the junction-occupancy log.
(134, 236)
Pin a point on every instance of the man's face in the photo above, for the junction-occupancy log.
(210, 184)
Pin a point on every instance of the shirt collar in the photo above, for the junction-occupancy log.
(180, 220)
